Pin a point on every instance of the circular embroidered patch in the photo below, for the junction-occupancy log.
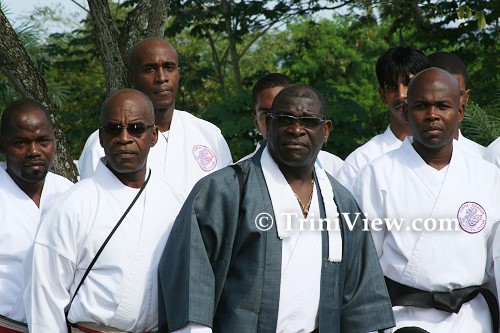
(471, 217)
(205, 157)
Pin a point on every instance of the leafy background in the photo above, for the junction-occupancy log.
(224, 49)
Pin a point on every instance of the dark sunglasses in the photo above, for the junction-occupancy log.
(284, 120)
(135, 129)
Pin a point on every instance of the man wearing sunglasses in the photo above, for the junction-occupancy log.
(188, 147)
(26, 187)
(118, 291)
(238, 260)
(263, 93)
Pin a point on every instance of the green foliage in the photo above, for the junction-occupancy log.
(465, 11)
(482, 124)
(337, 55)
(73, 62)
(233, 116)
(435, 26)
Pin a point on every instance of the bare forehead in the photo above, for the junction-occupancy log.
(30, 116)
(432, 79)
(154, 50)
(291, 104)
(127, 105)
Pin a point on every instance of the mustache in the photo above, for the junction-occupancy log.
(294, 142)
(36, 161)
(432, 128)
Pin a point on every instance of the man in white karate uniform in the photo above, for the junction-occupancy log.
(453, 64)
(492, 153)
(188, 147)
(263, 93)
(120, 290)
(427, 180)
(394, 70)
(28, 142)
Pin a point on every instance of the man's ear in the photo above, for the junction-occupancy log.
(154, 138)
(100, 137)
(327, 126)
(381, 92)
(254, 120)
(268, 125)
(129, 78)
(461, 113)
(467, 95)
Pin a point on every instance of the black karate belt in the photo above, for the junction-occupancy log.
(402, 295)
(411, 329)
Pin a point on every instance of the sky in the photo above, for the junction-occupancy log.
(17, 9)
(20, 7)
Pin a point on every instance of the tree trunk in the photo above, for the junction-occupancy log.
(158, 15)
(115, 70)
(17, 65)
(235, 58)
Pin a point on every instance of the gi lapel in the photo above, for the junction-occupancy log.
(268, 316)
(439, 203)
(330, 277)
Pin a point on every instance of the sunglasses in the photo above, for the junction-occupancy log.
(135, 129)
(284, 120)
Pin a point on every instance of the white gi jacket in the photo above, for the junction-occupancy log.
(121, 289)
(190, 150)
(470, 146)
(401, 185)
(492, 153)
(375, 147)
(19, 218)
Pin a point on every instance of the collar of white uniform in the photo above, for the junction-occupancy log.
(277, 186)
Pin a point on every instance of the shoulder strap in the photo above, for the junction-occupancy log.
(106, 242)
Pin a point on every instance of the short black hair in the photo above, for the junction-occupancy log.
(304, 91)
(268, 81)
(399, 61)
(21, 105)
(449, 62)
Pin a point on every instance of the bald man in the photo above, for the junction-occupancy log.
(188, 147)
(447, 200)
(120, 290)
(454, 65)
(26, 186)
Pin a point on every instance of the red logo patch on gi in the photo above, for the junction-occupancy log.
(471, 217)
(205, 157)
